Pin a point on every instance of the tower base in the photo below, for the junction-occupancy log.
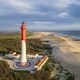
(20, 65)
(23, 63)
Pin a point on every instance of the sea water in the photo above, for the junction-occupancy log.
(72, 33)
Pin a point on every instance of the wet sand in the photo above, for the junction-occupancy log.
(68, 53)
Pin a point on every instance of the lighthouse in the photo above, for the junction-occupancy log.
(28, 62)
(23, 45)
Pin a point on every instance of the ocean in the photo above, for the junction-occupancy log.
(72, 33)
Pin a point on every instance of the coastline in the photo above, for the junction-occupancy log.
(67, 52)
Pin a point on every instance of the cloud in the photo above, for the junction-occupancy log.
(39, 13)
(30, 6)
(39, 22)
(52, 27)
(62, 3)
(63, 14)
(74, 10)
(14, 6)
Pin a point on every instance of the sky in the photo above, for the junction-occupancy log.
(40, 14)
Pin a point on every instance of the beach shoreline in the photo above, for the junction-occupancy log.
(67, 52)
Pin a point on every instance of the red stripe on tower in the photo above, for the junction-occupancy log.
(23, 31)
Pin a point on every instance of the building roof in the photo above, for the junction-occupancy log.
(40, 62)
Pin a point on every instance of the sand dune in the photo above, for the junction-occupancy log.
(39, 34)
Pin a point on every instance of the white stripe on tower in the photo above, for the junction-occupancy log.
(23, 51)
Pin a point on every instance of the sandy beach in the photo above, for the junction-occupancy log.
(67, 51)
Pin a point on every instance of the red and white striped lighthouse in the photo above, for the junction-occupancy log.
(23, 45)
